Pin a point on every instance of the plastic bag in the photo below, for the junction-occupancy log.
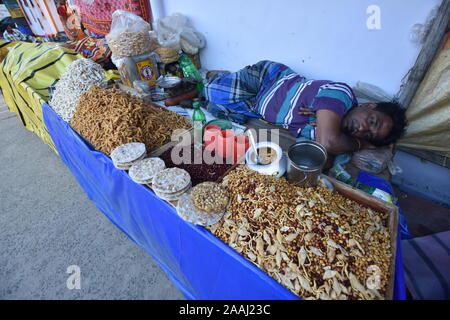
(366, 92)
(419, 31)
(168, 30)
(372, 160)
(193, 38)
(129, 35)
(175, 32)
(124, 21)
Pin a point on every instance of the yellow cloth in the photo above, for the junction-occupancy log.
(26, 74)
(429, 112)
(4, 48)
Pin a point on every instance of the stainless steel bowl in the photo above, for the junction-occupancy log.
(168, 82)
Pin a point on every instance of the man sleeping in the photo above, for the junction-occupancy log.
(320, 110)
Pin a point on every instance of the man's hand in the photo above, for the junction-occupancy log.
(306, 112)
(329, 134)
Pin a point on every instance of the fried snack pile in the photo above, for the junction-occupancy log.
(78, 78)
(109, 118)
(314, 242)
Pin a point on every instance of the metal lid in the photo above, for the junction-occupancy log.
(168, 81)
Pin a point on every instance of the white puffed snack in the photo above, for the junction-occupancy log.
(124, 155)
(143, 171)
(77, 79)
(171, 180)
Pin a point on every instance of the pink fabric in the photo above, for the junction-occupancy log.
(96, 17)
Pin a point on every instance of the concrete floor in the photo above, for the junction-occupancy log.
(47, 223)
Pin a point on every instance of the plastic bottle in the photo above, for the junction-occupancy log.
(190, 71)
(338, 172)
(378, 193)
(199, 120)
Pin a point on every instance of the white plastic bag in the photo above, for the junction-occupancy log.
(168, 30)
(366, 92)
(124, 21)
(175, 31)
(129, 35)
(193, 37)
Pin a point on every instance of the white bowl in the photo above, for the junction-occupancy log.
(275, 168)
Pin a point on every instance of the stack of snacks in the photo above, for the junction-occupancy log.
(170, 184)
(143, 171)
(125, 155)
(205, 205)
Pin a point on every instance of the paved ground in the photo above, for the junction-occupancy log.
(47, 224)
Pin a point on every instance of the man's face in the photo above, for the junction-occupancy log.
(366, 123)
(9, 29)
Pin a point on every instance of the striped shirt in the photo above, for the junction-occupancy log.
(280, 102)
(276, 93)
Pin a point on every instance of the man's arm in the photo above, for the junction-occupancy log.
(329, 134)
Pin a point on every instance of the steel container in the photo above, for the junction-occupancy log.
(305, 163)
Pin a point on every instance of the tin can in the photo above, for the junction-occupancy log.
(306, 160)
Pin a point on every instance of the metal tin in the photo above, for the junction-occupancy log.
(168, 82)
(305, 163)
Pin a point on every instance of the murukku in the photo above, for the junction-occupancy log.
(109, 118)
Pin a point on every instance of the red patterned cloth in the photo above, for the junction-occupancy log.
(91, 48)
(96, 14)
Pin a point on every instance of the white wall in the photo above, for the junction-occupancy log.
(320, 39)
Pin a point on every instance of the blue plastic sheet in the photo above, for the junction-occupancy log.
(199, 264)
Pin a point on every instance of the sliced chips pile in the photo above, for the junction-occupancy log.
(125, 155)
(143, 171)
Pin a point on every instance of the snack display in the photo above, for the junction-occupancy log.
(109, 118)
(187, 211)
(198, 172)
(314, 242)
(77, 79)
(128, 44)
(171, 183)
(209, 197)
(167, 54)
(143, 171)
(129, 35)
(123, 156)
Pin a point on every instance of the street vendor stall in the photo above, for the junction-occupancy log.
(220, 230)
(201, 265)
